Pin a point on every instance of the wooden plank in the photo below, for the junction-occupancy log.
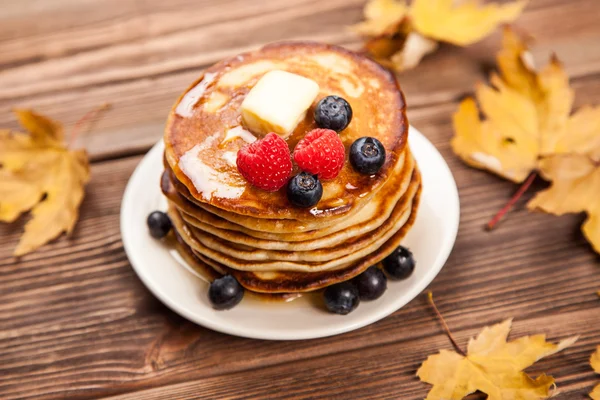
(140, 56)
(379, 372)
(75, 321)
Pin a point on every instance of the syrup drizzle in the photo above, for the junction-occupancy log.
(230, 158)
(240, 132)
(185, 108)
(208, 181)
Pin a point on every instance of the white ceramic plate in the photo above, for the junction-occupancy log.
(181, 289)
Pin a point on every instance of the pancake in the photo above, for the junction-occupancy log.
(203, 269)
(308, 261)
(208, 273)
(225, 226)
(202, 117)
(259, 259)
(366, 219)
(299, 282)
(402, 170)
(352, 248)
(371, 217)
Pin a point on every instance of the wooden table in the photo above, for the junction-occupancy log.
(76, 322)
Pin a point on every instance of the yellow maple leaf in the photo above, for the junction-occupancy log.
(528, 126)
(400, 47)
(39, 173)
(493, 366)
(380, 16)
(399, 36)
(575, 187)
(595, 363)
(463, 22)
(527, 115)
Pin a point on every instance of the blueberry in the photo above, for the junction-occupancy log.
(371, 284)
(367, 155)
(225, 293)
(304, 190)
(400, 264)
(159, 224)
(341, 298)
(333, 112)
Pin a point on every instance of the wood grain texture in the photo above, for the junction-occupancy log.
(67, 57)
(75, 321)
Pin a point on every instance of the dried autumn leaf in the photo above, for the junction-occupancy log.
(575, 187)
(463, 22)
(43, 130)
(39, 173)
(595, 363)
(416, 46)
(380, 15)
(528, 127)
(400, 47)
(386, 44)
(526, 115)
(399, 36)
(493, 366)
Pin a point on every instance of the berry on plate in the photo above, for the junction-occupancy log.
(400, 264)
(304, 190)
(367, 155)
(225, 293)
(320, 152)
(341, 298)
(333, 112)
(371, 284)
(159, 224)
(266, 163)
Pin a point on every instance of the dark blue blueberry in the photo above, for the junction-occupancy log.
(367, 155)
(304, 190)
(371, 284)
(333, 112)
(159, 224)
(341, 298)
(400, 264)
(225, 293)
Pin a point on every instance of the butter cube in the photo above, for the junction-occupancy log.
(278, 102)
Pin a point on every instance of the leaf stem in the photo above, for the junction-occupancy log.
(492, 223)
(86, 117)
(444, 324)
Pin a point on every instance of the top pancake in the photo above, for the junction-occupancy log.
(202, 117)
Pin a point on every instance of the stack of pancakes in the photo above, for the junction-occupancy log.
(226, 226)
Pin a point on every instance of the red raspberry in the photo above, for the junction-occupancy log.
(320, 152)
(266, 163)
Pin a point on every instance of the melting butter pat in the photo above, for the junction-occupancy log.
(278, 102)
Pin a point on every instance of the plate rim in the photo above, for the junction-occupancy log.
(137, 263)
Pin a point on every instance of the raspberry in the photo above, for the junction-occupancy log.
(320, 152)
(266, 163)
